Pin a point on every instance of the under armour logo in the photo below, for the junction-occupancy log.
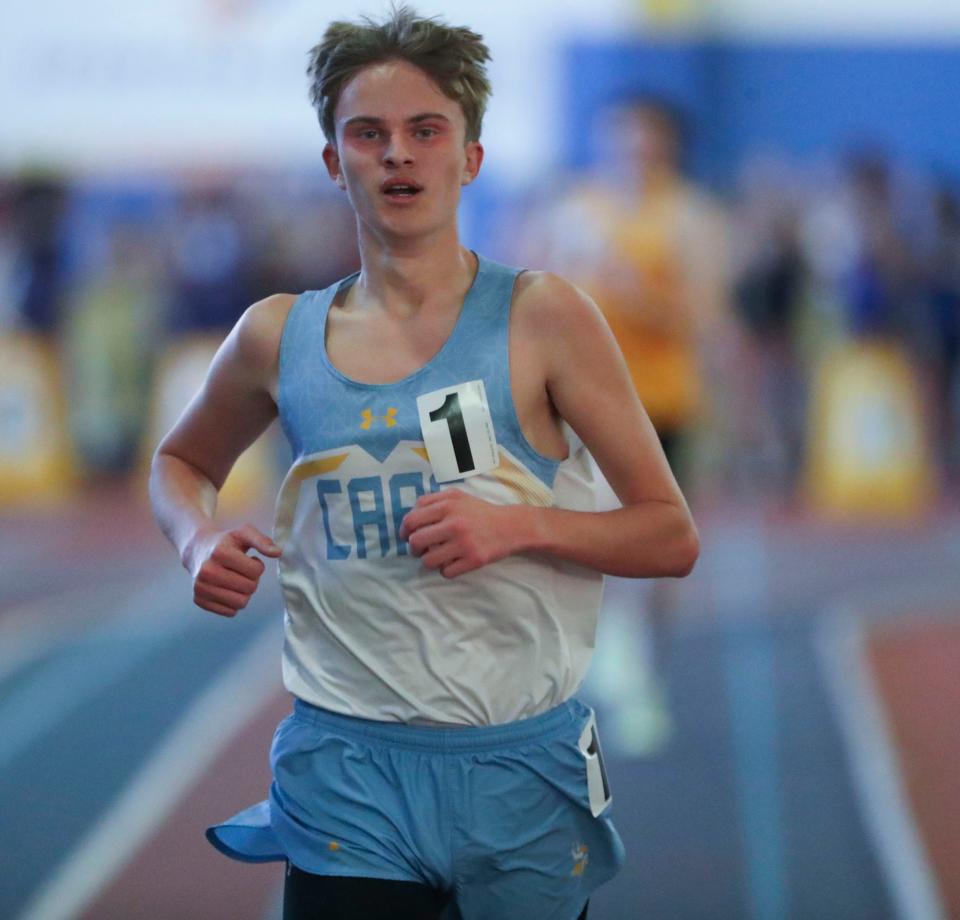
(389, 419)
(580, 858)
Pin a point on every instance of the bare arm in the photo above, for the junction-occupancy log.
(233, 408)
(590, 386)
(588, 383)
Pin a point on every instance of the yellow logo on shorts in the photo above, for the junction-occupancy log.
(580, 858)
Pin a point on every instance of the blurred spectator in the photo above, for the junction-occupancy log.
(210, 259)
(10, 286)
(38, 205)
(883, 283)
(770, 290)
(864, 237)
(868, 238)
(650, 247)
(944, 297)
(115, 322)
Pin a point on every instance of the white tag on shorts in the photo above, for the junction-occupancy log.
(598, 787)
(458, 431)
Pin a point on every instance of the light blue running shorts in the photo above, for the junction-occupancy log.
(513, 819)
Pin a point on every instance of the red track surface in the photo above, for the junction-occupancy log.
(177, 874)
(916, 666)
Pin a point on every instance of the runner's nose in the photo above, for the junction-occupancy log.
(397, 152)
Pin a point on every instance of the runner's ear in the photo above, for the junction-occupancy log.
(331, 160)
(474, 158)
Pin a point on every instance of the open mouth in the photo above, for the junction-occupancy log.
(401, 189)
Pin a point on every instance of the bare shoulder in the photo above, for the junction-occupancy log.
(237, 400)
(547, 303)
(259, 330)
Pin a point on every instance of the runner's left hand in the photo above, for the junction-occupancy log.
(456, 533)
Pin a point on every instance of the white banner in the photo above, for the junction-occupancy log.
(109, 84)
(118, 85)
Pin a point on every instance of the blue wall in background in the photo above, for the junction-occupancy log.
(804, 99)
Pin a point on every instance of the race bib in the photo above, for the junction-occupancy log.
(458, 431)
(598, 787)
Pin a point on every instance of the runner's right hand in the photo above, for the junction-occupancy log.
(224, 575)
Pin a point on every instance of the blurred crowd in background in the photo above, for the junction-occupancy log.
(725, 299)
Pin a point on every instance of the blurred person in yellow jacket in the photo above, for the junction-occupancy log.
(651, 248)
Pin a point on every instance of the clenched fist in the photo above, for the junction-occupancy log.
(224, 576)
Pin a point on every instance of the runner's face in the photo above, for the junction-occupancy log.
(400, 152)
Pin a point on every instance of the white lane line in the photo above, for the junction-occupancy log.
(878, 783)
(33, 706)
(222, 710)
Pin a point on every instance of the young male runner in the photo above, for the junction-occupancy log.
(440, 568)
